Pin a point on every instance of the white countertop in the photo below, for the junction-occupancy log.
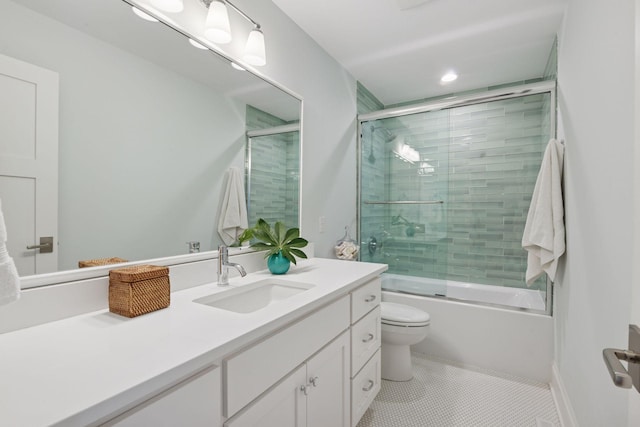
(81, 370)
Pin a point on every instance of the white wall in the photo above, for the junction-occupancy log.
(593, 290)
(142, 150)
(329, 122)
(329, 114)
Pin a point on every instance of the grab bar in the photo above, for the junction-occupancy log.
(403, 202)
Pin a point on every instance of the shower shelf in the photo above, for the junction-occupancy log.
(403, 202)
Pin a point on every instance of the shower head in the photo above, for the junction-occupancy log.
(388, 136)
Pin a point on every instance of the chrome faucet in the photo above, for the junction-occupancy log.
(224, 264)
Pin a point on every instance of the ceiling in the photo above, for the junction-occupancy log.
(399, 49)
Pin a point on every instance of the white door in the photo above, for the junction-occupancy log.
(29, 162)
(329, 397)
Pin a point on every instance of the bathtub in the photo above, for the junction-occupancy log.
(505, 341)
(469, 292)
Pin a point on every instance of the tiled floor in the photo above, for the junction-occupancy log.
(443, 395)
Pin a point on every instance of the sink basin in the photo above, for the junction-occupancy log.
(254, 297)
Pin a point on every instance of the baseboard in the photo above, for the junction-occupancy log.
(561, 399)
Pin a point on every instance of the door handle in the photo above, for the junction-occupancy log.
(45, 246)
(612, 357)
(619, 375)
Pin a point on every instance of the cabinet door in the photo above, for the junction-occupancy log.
(194, 402)
(282, 406)
(328, 397)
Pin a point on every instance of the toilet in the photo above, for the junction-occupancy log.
(402, 326)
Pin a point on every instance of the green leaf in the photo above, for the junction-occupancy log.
(298, 242)
(287, 255)
(280, 232)
(260, 246)
(292, 234)
(298, 253)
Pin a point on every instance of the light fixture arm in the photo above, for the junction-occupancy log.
(234, 7)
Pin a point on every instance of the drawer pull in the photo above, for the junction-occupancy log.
(369, 386)
(314, 381)
(370, 298)
(368, 338)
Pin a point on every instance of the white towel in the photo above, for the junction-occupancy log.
(543, 236)
(233, 212)
(9, 279)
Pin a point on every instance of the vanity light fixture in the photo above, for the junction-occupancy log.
(143, 15)
(449, 77)
(198, 45)
(171, 6)
(218, 30)
(217, 27)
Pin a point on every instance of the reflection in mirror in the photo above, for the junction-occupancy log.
(148, 126)
(273, 173)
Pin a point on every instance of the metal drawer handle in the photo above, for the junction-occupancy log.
(368, 338)
(369, 386)
(314, 381)
(370, 298)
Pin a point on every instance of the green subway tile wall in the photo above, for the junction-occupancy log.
(482, 162)
(275, 170)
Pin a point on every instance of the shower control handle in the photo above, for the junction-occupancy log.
(370, 298)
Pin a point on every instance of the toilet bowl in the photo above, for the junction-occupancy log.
(402, 326)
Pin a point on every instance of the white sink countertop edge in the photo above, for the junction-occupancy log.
(85, 369)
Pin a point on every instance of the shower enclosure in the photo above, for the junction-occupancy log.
(445, 187)
(272, 168)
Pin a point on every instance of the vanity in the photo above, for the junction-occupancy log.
(301, 349)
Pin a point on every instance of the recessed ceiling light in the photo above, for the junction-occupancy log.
(198, 45)
(449, 77)
(143, 15)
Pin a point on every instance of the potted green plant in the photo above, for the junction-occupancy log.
(282, 245)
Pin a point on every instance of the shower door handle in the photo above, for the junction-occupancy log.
(612, 357)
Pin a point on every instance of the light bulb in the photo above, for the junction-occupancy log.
(216, 27)
(143, 15)
(254, 51)
(449, 77)
(198, 45)
(171, 6)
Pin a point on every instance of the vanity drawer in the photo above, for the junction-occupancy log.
(365, 339)
(364, 388)
(254, 370)
(365, 298)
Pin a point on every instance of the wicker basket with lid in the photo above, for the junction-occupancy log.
(138, 290)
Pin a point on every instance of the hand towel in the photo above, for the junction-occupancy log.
(9, 279)
(543, 236)
(233, 212)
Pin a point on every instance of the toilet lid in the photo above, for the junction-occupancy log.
(401, 314)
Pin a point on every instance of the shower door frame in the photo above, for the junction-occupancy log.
(546, 86)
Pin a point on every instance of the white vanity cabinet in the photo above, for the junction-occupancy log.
(195, 402)
(316, 394)
(297, 377)
(365, 347)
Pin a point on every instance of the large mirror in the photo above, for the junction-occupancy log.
(148, 126)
